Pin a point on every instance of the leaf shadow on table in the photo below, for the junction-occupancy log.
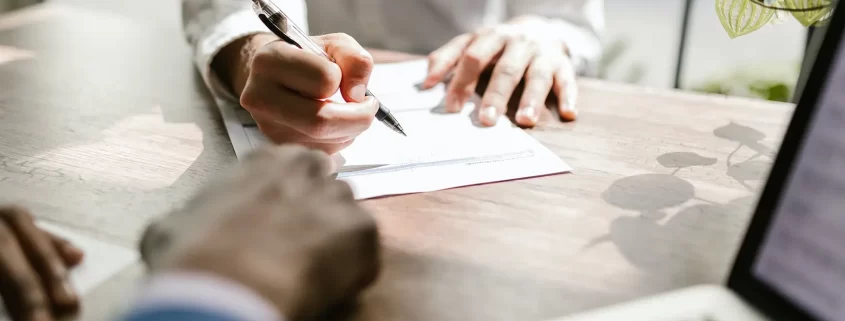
(752, 168)
(691, 245)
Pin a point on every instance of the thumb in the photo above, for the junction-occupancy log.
(355, 64)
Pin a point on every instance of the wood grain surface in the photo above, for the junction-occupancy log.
(104, 124)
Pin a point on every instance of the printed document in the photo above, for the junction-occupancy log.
(442, 150)
(101, 261)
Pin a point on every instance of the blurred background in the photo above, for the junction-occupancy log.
(642, 46)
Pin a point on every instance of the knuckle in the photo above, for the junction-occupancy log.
(341, 36)
(250, 100)
(473, 59)
(510, 70)
(363, 61)
(328, 80)
(538, 76)
(262, 60)
(495, 97)
(33, 297)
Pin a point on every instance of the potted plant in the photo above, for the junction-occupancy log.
(741, 17)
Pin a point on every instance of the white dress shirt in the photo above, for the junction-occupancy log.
(413, 26)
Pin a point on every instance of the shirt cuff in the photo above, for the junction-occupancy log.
(204, 293)
(237, 25)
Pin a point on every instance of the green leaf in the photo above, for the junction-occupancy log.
(774, 91)
(809, 18)
(741, 17)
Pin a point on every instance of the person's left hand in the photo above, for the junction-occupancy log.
(34, 264)
(518, 50)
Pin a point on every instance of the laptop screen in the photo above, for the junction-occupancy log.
(803, 253)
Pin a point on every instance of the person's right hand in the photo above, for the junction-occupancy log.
(279, 224)
(286, 89)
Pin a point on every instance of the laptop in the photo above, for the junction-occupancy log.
(791, 264)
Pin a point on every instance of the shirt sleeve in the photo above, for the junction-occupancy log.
(199, 297)
(211, 25)
(578, 23)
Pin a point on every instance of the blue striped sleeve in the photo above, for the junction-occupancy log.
(177, 314)
(199, 297)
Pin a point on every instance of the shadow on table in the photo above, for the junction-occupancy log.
(84, 86)
(445, 288)
(693, 242)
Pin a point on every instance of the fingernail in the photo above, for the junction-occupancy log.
(568, 111)
(490, 114)
(358, 92)
(529, 112)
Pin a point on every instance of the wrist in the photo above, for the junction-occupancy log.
(232, 63)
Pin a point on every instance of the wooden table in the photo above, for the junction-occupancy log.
(104, 124)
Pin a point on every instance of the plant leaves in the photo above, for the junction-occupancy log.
(741, 17)
(809, 18)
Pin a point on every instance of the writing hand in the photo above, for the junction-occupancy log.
(287, 89)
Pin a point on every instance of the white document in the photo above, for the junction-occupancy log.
(101, 261)
(442, 150)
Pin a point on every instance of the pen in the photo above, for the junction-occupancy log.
(284, 28)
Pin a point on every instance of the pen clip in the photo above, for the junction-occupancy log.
(275, 29)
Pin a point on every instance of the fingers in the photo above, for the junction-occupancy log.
(355, 63)
(506, 76)
(281, 135)
(20, 287)
(42, 254)
(71, 254)
(566, 90)
(477, 56)
(538, 84)
(444, 59)
(316, 119)
(284, 65)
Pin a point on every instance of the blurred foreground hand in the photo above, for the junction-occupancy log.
(34, 265)
(278, 224)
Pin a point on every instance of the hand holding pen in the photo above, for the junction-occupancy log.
(281, 25)
(286, 89)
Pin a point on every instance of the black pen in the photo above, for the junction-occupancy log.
(284, 28)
